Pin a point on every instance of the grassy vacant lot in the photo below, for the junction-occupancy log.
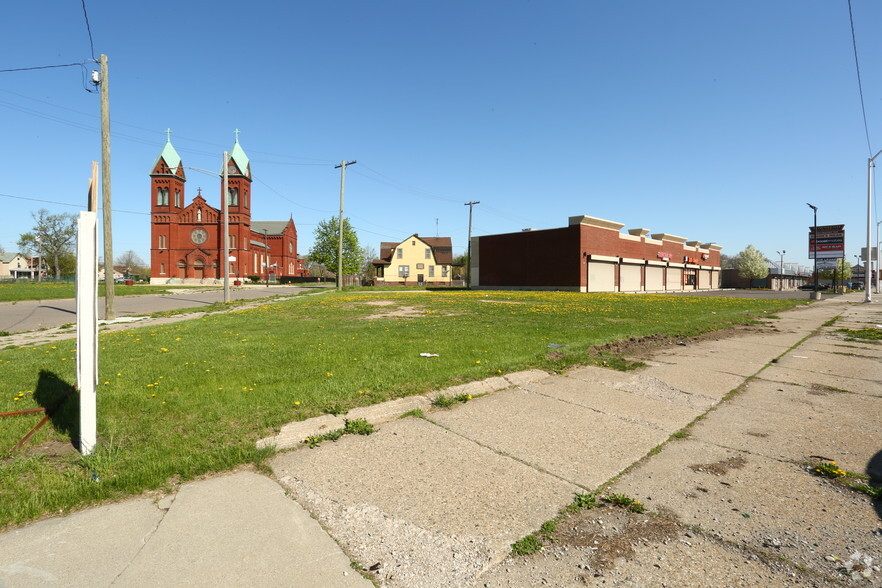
(184, 399)
(17, 291)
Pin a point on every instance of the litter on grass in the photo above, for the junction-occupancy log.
(429, 355)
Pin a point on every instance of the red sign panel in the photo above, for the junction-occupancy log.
(829, 244)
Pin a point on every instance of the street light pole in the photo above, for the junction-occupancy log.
(266, 244)
(870, 165)
(781, 269)
(878, 261)
(815, 242)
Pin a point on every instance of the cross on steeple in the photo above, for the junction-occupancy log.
(199, 191)
(168, 132)
(237, 135)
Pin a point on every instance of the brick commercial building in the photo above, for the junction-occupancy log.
(185, 239)
(592, 255)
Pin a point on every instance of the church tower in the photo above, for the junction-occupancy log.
(166, 204)
(238, 201)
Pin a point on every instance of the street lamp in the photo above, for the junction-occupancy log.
(815, 242)
(781, 269)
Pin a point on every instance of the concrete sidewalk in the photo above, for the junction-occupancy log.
(438, 501)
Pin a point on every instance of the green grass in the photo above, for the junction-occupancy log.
(871, 334)
(20, 291)
(181, 400)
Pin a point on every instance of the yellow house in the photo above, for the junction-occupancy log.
(416, 261)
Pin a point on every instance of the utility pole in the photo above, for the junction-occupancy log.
(225, 204)
(342, 167)
(471, 205)
(109, 312)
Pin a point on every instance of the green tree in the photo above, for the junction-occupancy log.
(752, 263)
(728, 261)
(368, 269)
(326, 244)
(51, 238)
(132, 263)
(842, 273)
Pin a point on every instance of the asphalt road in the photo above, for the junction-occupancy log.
(31, 315)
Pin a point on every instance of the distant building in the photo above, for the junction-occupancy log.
(592, 255)
(186, 239)
(416, 260)
(15, 266)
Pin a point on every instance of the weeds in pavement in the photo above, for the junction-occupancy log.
(626, 502)
(351, 427)
(855, 481)
(444, 401)
(526, 546)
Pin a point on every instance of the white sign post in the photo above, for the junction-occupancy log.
(87, 318)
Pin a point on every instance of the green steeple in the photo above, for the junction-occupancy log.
(171, 157)
(237, 156)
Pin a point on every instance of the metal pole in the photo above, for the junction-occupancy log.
(781, 270)
(225, 263)
(266, 244)
(878, 260)
(814, 243)
(868, 297)
(109, 312)
(342, 167)
(469, 246)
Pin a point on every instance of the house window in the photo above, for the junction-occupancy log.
(403, 271)
(399, 253)
(443, 271)
(421, 266)
(428, 253)
(381, 271)
(413, 243)
(431, 271)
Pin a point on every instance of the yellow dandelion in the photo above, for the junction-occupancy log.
(296, 403)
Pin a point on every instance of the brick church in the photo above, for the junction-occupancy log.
(185, 239)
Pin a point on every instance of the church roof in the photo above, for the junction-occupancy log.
(171, 157)
(272, 227)
(237, 154)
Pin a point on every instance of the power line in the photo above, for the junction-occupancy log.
(80, 206)
(858, 69)
(88, 29)
(42, 67)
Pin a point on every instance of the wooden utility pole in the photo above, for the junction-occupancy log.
(109, 312)
(471, 205)
(225, 201)
(342, 167)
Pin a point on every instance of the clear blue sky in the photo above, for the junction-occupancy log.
(715, 121)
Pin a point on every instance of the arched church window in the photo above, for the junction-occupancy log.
(198, 215)
(177, 198)
(162, 196)
(233, 197)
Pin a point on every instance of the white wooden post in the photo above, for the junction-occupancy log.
(87, 318)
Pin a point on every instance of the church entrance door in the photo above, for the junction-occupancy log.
(199, 269)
